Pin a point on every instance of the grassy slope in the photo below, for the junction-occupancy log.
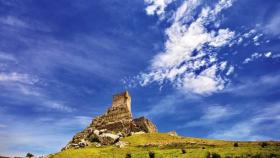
(166, 146)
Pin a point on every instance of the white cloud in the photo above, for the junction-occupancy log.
(257, 55)
(216, 113)
(8, 57)
(206, 82)
(256, 39)
(268, 54)
(58, 106)
(13, 21)
(230, 70)
(156, 6)
(178, 63)
(250, 33)
(17, 77)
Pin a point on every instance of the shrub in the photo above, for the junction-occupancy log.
(235, 144)
(215, 155)
(183, 151)
(263, 144)
(128, 155)
(272, 155)
(207, 155)
(29, 155)
(94, 138)
(151, 154)
(257, 156)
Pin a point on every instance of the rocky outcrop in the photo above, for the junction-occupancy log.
(172, 133)
(143, 124)
(117, 122)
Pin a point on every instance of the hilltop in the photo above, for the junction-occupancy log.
(117, 134)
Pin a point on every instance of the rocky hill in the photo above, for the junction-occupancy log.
(116, 123)
(116, 134)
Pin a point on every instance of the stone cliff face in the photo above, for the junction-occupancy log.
(117, 121)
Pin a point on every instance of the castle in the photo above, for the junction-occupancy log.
(117, 119)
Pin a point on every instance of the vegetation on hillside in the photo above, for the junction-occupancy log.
(160, 145)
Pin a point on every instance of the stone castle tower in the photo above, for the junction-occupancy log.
(122, 100)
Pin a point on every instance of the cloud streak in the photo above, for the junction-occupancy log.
(17, 77)
(212, 115)
(253, 126)
(42, 136)
(256, 56)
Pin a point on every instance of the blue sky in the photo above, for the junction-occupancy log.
(203, 68)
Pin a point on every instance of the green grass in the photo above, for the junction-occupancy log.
(166, 146)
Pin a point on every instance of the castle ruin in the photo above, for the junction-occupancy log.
(117, 119)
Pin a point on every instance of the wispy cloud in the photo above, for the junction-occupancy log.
(13, 22)
(253, 127)
(43, 135)
(240, 131)
(247, 86)
(2, 126)
(166, 105)
(17, 77)
(189, 61)
(7, 57)
(22, 89)
(256, 56)
(273, 24)
(58, 106)
(169, 105)
(212, 115)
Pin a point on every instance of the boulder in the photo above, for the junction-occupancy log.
(82, 143)
(172, 133)
(96, 132)
(102, 131)
(121, 144)
(136, 133)
(108, 138)
(97, 144)
(120, 134)
(90, 130)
